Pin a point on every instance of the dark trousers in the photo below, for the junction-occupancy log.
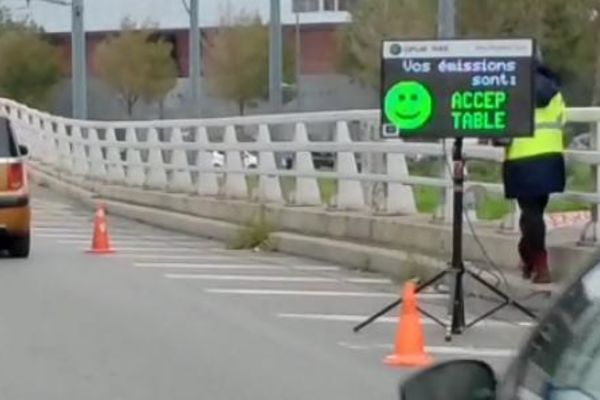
(533, 227)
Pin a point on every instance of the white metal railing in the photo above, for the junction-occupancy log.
(177, 156)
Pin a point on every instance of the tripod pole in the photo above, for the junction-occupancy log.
(457, 306)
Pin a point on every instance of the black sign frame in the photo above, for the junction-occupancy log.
(528, 122)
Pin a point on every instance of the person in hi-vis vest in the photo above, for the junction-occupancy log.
(534, 168)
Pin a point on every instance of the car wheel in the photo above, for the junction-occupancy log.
(19, 247)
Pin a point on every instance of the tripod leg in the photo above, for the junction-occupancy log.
(507, 300)
(391, 306)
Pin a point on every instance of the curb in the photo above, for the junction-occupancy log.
(397, 264)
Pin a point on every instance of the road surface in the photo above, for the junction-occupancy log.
(170, 316)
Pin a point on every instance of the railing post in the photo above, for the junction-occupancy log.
(136, 172)
(235, 182)
(80, 158)
(400, 198)
(157, 175)
(97, 164)
(116, 173)
(350, 192)
(208, 184)
(591, 232)
(181, 179)
(269, 186)
(65, 161)
(307, 189)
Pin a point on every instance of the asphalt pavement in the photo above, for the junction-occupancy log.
(171, 316)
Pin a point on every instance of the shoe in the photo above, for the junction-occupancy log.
(526, 265)
(541, 271)
(526, 270)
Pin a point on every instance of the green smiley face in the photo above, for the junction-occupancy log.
(408, 105)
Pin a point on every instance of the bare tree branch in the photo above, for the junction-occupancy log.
(187, 6)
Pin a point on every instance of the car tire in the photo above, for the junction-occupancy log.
(20, 247)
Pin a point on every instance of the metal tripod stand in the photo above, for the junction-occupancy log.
(456, 306)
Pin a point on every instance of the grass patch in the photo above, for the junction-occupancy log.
(492, 207)
(427, 198)
(255, 234)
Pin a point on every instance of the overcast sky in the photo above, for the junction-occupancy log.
(107, 14)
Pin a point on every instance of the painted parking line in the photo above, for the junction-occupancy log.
(392, 320)
(250, 278)
(315, 293)
(441, 350)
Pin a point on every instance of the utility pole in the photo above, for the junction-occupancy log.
(275, 57)
(195, 56)
(79, 61)
(446, 19)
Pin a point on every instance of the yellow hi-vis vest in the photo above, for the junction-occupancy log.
(548, 137)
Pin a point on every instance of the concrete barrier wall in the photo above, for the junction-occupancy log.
(398, 246)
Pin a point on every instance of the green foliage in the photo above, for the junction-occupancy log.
(136, 66)
(375, 20)
(29, 67)
(240, 61)
(568, 33)
(255, 234)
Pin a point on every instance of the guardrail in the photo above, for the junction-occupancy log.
(214, 157)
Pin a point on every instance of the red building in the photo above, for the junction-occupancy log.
(318, 47)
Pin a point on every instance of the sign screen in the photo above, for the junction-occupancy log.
(457, 88)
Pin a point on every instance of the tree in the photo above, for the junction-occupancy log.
(239, 60)
(136, 66)
(376, 20)
(29, 67)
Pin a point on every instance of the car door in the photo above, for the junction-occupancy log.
(562, 358)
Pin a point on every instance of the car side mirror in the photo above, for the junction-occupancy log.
(453, 380)
(23, 150)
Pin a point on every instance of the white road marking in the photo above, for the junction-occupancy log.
(197, 251)
(133, 241)
(390, 320)
(200, 265)
(249, 278)
(442, 350)
(318, 293)
(208, 266)
(196, 257)
(369, 280)
(319, 268)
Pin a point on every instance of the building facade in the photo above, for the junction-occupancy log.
(317, 22)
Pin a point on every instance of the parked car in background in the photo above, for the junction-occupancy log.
(560, 360)
(15, 212)
(249, 160)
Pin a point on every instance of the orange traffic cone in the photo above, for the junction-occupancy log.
(101, 241)
(409, 349)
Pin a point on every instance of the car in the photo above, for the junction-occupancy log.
(559, 361)
(15, 212)
(249, 160)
